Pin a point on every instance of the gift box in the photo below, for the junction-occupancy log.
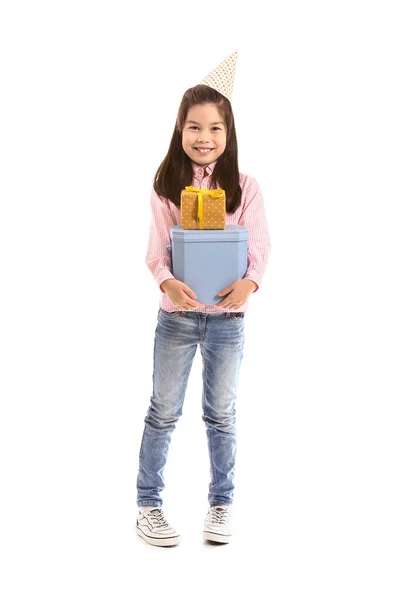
(208, 261)
(203, 209)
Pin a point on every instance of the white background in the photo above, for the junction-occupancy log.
(89, 97)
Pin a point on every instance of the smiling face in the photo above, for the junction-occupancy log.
(204, 128)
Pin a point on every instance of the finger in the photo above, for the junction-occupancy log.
(190, 293)
(192, 306)
(188, 302)
(230, 305)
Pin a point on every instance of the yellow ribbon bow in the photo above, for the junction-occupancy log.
(217, 193)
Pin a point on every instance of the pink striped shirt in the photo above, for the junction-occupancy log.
(250, 213)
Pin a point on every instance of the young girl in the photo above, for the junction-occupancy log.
(202, 153)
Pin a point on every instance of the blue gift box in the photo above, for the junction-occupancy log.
(208, 260)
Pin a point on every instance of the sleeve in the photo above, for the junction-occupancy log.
(254, 218)
(158, 257)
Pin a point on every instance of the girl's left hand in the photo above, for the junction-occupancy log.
(238, 293)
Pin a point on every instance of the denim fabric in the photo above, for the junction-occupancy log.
(221, 339)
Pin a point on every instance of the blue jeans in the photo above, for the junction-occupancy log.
(221, 339)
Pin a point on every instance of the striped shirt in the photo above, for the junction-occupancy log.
(250, 213)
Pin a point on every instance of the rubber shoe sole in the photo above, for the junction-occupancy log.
(158, 541)
(216, 537)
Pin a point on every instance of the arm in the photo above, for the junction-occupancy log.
(253, 217)
(158, 258)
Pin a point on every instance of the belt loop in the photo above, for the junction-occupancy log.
(227, 315)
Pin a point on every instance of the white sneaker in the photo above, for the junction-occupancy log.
(218, 524)
(152, 526)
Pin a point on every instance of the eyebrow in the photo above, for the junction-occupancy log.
(215, 123)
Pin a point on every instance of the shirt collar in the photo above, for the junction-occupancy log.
(198, 170)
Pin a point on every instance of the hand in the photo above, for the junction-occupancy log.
(180, 294)
(238, 293)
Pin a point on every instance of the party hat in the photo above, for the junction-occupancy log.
(222, 77)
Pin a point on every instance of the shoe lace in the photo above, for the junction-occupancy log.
(218, 515)
(158, 517)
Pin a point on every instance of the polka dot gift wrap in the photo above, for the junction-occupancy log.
(203, 209)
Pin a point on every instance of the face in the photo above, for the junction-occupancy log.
(204, 127)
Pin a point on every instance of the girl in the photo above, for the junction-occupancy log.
(202, 153)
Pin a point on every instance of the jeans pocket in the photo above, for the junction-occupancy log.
(170, 315)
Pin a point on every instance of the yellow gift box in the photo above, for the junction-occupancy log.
(203, 209)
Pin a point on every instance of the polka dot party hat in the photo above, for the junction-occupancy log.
(222, 77)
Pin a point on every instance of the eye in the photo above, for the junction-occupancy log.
(195, 127)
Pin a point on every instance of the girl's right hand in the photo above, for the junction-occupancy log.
(180, 294)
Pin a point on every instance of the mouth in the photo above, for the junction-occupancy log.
(204, 150)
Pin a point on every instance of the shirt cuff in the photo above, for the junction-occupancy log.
(255, 277)
(162, 276)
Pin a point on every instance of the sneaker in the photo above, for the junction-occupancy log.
(152, 526)
(218, 524)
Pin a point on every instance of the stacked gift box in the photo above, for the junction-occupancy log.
(207, 254)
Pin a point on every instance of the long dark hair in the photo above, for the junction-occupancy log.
(175, 172)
